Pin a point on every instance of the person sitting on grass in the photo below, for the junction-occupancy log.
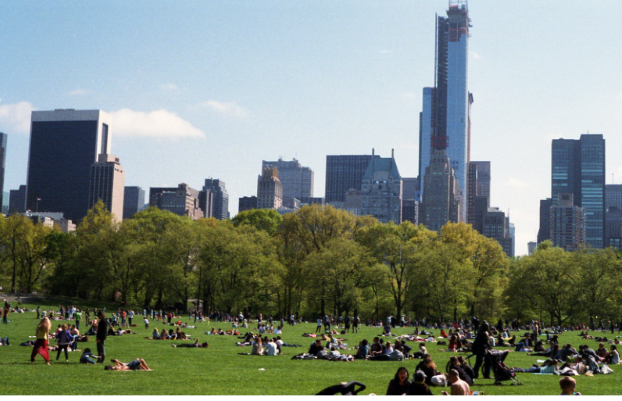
(512, 341)
(399, 384)
(88, 357)
(551, 352)
(613, 358)
(315, 347)
(136, 364)
(454, 363)
(271, 348)
(467, 369)
(194, 345)
(602, 351)
(428, 367)
(458, 387)
(418, 385)
(362, 351)
(257, 347)
(568, 385)
(565, 352)
(421, 353)
(453, 343)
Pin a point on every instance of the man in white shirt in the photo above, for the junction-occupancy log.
(271, 348)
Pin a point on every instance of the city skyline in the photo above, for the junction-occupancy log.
(255, 82)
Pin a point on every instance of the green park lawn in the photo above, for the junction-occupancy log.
(220, 370)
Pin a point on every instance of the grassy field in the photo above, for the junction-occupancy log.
(220, 370)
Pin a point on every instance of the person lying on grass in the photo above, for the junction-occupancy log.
(549, 366)
(195, 345)
(136, 364)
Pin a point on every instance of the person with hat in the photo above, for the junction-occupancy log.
(418, 386)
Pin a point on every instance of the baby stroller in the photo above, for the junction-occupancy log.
(500, 371)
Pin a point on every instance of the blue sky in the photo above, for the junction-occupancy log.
(210, 89)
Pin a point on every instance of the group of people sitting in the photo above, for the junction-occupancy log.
(400, 385)
(221, 332)
(168, 335)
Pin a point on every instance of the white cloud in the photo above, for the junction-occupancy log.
(78, 92)
(475, 56)
(226, 108)
(409, 96)
(156, 124)
(16, 117)
(518, 184)
(169, 87)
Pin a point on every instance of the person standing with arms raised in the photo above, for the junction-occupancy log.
(102, 330)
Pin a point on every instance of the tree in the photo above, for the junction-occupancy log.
(268, 220)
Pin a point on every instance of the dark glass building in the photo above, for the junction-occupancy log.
(64, 144)
(544, 233)
(578, 168)
(344, 173)
(17, 200)
(3, 138)
(133, 201)
(247, 203)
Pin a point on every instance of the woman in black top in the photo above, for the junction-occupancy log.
(400, 383)
(465, 366)
(454, 363)
(428, 367)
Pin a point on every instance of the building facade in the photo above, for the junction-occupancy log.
(297, 180)
(17, 200)
(182, 201)
(133, 201)
(578, 168)
(269, 189)
(478, 187)
(441, 194)
(64, 144)
(567, 223)
(214, 199)
(343, 173)
(381, 190)
(496, 225)
(247, 203)
(108, 184)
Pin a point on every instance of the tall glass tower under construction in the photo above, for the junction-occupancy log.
(445, 121)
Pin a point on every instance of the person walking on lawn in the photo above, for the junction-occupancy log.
(102, 332)
(41, 344)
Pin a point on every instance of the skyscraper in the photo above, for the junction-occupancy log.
(17, 200)
(63, 146)
(269, 189)
(441, 196)
(445, 119)
(344, 173)
(567, 223)
(217, 204)
(3, 138)
(133, 201)
(381, 190)
(479, 187)
(297, 180)
(544, 233)
(108, 184)
(578, 168)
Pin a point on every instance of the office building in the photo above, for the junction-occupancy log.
(269, 189)
(410, 211)
(247, 203)
(344, 173)
(313, 201)
(108, 184)
(567, 223)
(496, 225)
(17, 200)
(3, 139)
(133, 201)
(445, 119)
(441, 195)
(544, 232)
(297, 180)
(182, 201)
(381, 190)
(531, 247)
(214, 199)
(64, 144)
(578, 168)
(613, 196)
(478, 187)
